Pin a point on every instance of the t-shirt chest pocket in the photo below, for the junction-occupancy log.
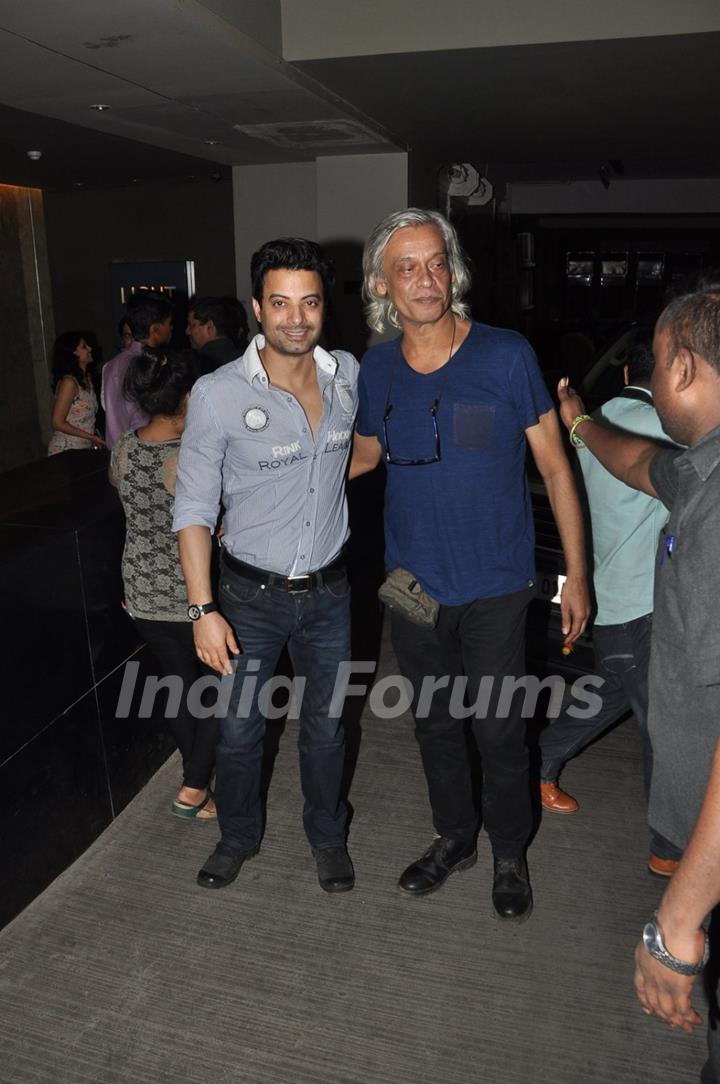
(473, 426)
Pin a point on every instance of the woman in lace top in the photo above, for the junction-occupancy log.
(73, 416)
(143, 467)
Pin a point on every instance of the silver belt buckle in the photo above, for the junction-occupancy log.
(299, 583)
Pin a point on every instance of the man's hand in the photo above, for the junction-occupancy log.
(214, 638)
(664, 992)
(574, 607)
(570, 403)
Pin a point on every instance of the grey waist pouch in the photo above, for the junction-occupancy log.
(404, 596)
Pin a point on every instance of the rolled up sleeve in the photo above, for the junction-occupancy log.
(199, 473)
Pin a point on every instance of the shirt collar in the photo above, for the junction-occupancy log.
(255, 370)
(705, 455)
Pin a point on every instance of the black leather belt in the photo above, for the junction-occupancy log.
(332, 573)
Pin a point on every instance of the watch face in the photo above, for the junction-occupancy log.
(194, 612)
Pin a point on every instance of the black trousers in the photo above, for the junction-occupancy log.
(172, 645)
(481, 639)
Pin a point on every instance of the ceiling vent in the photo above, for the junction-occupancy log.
(312, 135)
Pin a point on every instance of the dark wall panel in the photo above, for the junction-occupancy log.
(56, 801)
(68, 765)
(88, 228)
(25, 400)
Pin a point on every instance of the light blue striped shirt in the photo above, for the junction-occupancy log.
(250, 444)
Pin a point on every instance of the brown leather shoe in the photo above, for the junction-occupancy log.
(556, 800)
(662, 867)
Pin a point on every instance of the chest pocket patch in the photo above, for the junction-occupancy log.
(473, 425)
(345, 395)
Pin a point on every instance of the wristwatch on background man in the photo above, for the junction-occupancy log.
(196, 612)
(655, 945)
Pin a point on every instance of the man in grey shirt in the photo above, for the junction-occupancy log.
(625, 527)
(269, 436)
(684, 680)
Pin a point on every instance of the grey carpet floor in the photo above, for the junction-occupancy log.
(125, 971)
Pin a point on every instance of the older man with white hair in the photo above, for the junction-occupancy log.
(450, 406)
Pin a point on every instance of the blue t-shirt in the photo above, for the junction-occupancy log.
(463, 525)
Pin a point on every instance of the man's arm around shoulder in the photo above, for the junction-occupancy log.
(626, 457)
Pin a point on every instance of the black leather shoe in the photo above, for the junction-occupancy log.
(334, 868)
(443, 857)
(511, 895)
(222, 867)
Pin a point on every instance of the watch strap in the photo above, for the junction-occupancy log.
(196, 612)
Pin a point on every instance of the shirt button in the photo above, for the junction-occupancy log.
(312, 490)
(302, 556)
(304, 429)
(307, 522)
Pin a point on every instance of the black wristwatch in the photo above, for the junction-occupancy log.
(655, 945)
(196, 612)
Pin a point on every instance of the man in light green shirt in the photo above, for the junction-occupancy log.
(625, 528)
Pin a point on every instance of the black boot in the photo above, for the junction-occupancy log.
(442, 858)
(511, 895)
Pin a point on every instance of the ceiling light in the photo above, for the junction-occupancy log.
(34, 156)
(211, 142)
(100, 107)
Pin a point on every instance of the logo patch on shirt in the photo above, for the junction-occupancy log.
(344, 394)
(256, 419)
(338, 440)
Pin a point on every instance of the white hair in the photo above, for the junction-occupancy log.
(380, 311)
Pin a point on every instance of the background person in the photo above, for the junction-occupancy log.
(626, 525)
(125, 335)
(143, 466)
(149, 317)
(684, 679)
(217, 329)
(75, 408)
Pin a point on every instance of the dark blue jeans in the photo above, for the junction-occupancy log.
(315, 625)
(622, 657)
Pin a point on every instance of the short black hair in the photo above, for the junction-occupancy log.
(692, 321)
(227, 313)
(145, 309)
(290, 254)
(158, 380)
(641, 362)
